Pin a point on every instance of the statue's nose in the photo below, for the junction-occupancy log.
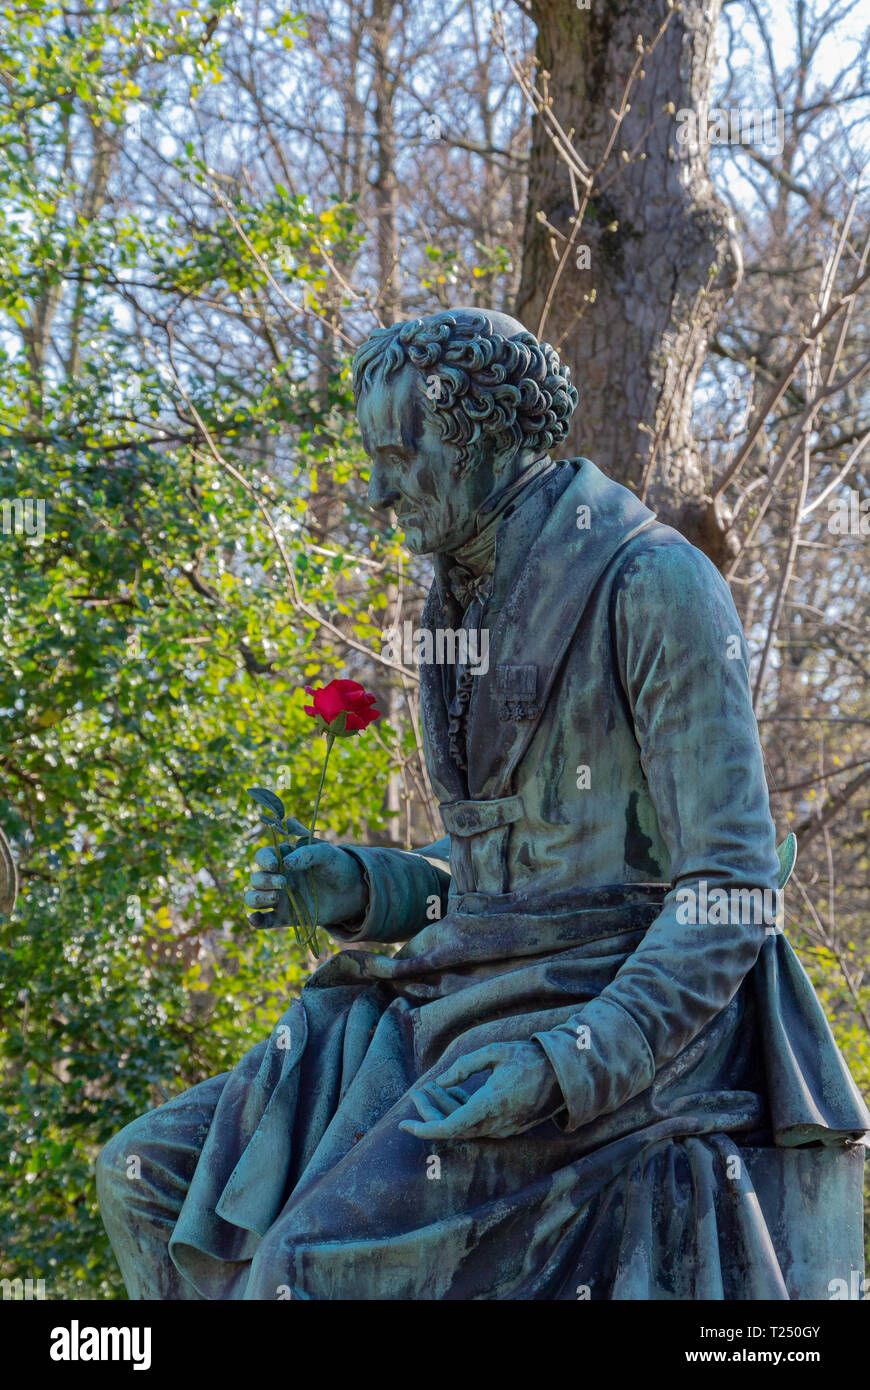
(381, 496)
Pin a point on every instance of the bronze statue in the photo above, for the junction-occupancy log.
(599, 1071)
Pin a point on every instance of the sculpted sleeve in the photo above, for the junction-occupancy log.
(683, 664)
(407, 890)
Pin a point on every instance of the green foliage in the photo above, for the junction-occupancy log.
(168, 335)
(152, 646)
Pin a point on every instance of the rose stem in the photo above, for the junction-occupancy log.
(330, 740)
(297, 915)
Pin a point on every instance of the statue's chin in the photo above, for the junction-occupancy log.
(416, 541)
(421, 542)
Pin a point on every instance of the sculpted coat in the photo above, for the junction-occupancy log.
(706, 1147)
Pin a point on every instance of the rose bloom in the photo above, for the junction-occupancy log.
(348, 697)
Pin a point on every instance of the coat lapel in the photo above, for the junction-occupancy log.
(441, 611)
(539, 618)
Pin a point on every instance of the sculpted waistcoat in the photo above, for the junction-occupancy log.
(591, 527)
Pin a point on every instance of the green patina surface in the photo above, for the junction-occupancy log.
(559, 1088)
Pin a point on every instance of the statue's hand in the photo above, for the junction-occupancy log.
(520, 1091)
(337, 877)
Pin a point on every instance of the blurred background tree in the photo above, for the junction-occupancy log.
(205, 207)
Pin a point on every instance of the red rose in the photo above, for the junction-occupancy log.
(339, 698)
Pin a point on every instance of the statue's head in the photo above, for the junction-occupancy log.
(451, 407)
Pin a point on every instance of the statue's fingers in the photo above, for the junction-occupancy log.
(263, 901)
(460, 1070)
(299, 860)
(266, 858)
(260, 919)
(448, 1127)
(469, 1121)
(435, 1103)
(425, 1106)
(275, 882)
(421, 1130)
(445, 1102)
(321, 852)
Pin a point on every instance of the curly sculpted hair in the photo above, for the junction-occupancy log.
(486, 384)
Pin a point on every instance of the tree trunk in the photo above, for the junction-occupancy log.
(386, 186)
(633, 317)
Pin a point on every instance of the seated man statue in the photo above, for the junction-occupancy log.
(600, 1072)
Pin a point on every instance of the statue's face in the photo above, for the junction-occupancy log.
(414, 472)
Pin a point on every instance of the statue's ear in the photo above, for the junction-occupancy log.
(787, 853)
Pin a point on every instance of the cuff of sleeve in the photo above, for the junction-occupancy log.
(400, 886)
(601, 1059)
